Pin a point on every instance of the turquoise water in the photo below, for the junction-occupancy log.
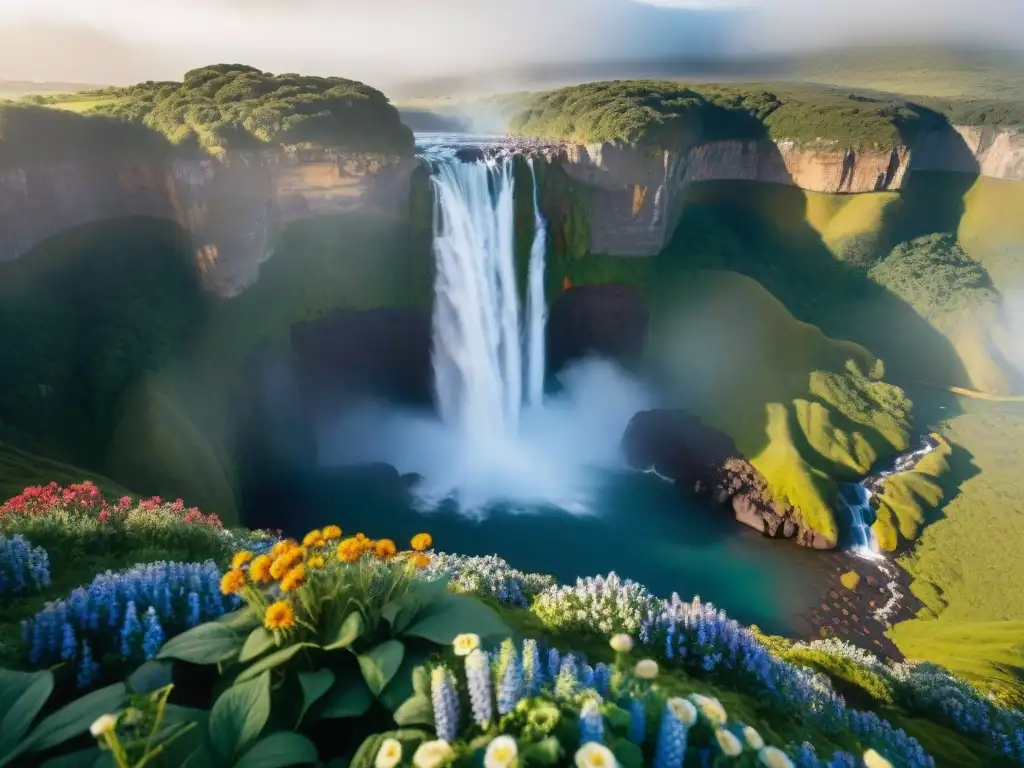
(642, 528)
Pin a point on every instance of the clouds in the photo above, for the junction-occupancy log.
(383, 41)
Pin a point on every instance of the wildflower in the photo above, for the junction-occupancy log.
(671, 747)
(532, 673)
(646, 669)
(385, 548)
(316, 561)
(421, 561)
(621, 643)
(279, 615)
(88, 669)
(773, 757)
(361, 537)
(684, 711)
(154, 634)
(446, 703)
(711, 708)
(543, 717)
(422, 541)
(593, 755)
(501, 753)
(637, 732)
(510, 686)
(390, 754)
(103, 724)
(349, 550)
(466, 644)
(331, 532)
(313, 539)
(281, 547)
(591, 723)
(240, 559)
(231, 582)
(432, 754)
(294, 579)
(728, 743)
(259, 569)
(285, 562)
(478, 680)
(752, 737)
(874, 760)
(130, 630)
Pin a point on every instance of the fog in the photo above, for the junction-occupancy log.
(391, 41)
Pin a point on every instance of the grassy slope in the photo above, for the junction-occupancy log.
(20, 468)
(907, 498)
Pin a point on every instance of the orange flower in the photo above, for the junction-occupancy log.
(231, 582)
(316, 561)
(279, 615)
(259, 569)
(281, 547)
(421, 561)
(284, 562)
(385, 548)
(240, 559)
(313, 539)
(422, 541)
(360, 537)
(331, 532)
(350, 550)
(294, 579)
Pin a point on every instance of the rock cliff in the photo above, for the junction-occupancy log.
(634, 191)
(233, 205)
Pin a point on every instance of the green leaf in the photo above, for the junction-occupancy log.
(314, 685)
(420, 679)
(93, 757)
(452, 615)
(617, 717)
(400, 689)
(242, 620)
(350, 630)
(238, 716)
(279, 750)
(75, 718)
(258, 641)
(349, 698)
(411, 738)
(547, 751)
(209, 643)
(627, 754)
(275, 659)
(380, 663)
(419, 710)
(22, 696)
(151, 676)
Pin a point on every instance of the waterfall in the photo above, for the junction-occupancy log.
(536, 304)
(855, 499)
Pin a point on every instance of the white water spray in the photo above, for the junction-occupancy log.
(536, 305)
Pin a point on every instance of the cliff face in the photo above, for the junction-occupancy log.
(634, 191)
(233, 205)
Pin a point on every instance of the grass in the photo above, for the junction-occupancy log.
(907, 499)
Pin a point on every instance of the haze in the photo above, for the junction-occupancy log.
(389, 41)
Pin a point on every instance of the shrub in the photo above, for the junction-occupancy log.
(23, 568)
(490, 576)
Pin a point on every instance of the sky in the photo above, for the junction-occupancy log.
(387, 41)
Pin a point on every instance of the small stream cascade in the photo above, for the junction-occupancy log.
(854, 500)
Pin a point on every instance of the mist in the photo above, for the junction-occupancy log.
(393, 41)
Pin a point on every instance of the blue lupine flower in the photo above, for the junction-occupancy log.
(478, 680)
(591, 723)
(533, 675)
(554, 663)
(510, 687)
(671, 741)
(567, 682)
(587, 676)
(23, 568)
(130, 630)
(637, 722)
(602, 679)
(446, 704)
(193, 610)
(88, 669)
(69, 645)
(154, 635)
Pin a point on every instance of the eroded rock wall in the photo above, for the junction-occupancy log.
(233, 205)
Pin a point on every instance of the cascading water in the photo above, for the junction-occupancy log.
(536, 304)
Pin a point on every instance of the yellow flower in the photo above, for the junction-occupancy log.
(594, 755)
(103, 724)
(240, 559)
(466, 644)
(389, 755)
(360, 537)
(874, 760)
(294, 579)
(773, 757)
(684, 711)
(421, 561)
(286, 561)
(422, 541)
(231, 582)
(646, 669)
(331, 532)
(432, 754)
(313, 539)
(752, 737)
(711, 708)
(501, 753)
(279, 615)
(350, 550)
(259, 569)
(316, 561)
(728, 743)
(385, 548)
(621, 643)
(281, 547)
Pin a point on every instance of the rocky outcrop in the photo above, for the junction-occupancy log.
(233, 205)
(608, 320)
(705, 462)
(635, 192)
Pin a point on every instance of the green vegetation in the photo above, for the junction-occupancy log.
(20, 469)
(906, 498)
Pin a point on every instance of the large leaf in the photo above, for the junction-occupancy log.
(351, 628)
(151, 676)
(22, 696)
(348, 698)
(238, 716)
(314, 685)
(627, 754)
(75, 718)
(279, 750)
(276, 659)
(258, 641)
(93, 757)
(209, 643)
(452, 615)
(417, 710)
(401, 613)
(241, 620)
(380, 663)
(401, 686)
